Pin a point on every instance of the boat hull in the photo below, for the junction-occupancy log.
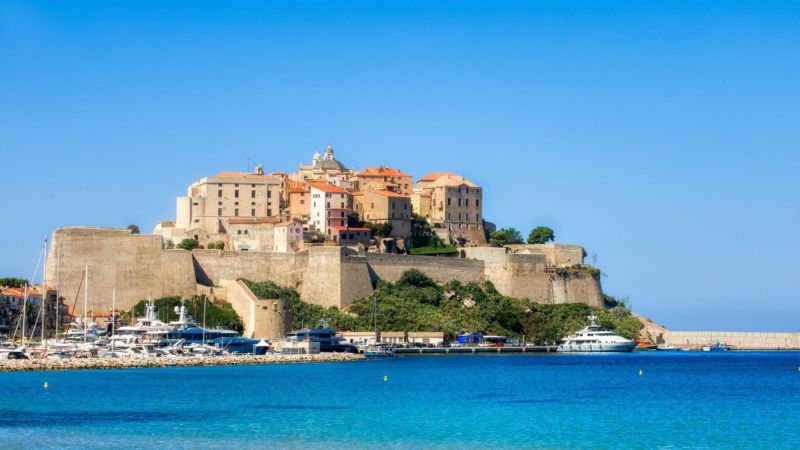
(597, 348)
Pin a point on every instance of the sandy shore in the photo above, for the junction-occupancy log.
(17, 365)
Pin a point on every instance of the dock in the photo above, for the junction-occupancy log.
(473, 350)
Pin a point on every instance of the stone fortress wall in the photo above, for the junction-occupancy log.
(136, 265)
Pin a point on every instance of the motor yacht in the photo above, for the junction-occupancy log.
(595, 338)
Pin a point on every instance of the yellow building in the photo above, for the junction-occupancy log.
(204, 213)
(385, 207)
(456, 206)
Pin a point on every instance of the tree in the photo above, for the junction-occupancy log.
(13, 282)
(353, 221)
(505, 236)
(541, 235)
(134, 228)
(219, 245)
(188, 244)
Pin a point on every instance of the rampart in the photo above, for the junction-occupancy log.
(737, 340)
(271, 319)
(324, 275)
(132, 264)
(389, 267)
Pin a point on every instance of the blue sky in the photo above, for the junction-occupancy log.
(662, 136)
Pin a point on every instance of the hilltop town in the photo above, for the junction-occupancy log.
(376, 209)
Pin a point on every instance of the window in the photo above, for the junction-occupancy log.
(219, 193)
(466, 202)
(448, 216)
(252, 185)
(342, 213)
(236, 193)
(342, 205)
(269, 212)
(236, 212)
(372, 206)
(219, 203)
(236, 185)
(459, 217)
(194, 204)
(448, 201)
(405, 205)
(352, 236)
(302, 202)
(219, 211)
(253, 212)
(252, 203)
(477, 203)
(328, 205)
(477, 217)
(459, 202)
(269, 193)
(252, 194)
(219, 184)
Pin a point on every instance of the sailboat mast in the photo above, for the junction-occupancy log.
(43, 308)
(205, 300)
(85, 302)
(113, 315)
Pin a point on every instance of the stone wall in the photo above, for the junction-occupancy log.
(558, 255)
(133, 264)
(271, 319)
(389, 267)
(324, 275)
(525, 275)
(738, 340)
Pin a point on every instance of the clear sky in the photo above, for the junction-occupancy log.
(662, 136)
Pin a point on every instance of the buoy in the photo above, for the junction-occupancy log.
(641, 372)
(386, 378)
(45, 384)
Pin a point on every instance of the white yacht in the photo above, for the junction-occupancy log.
(595, 338)
(147, 329)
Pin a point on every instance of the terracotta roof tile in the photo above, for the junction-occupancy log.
(433, 176)
(329, 188)
(381, 172)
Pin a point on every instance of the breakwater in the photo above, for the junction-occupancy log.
(27, 365)
(736, 340)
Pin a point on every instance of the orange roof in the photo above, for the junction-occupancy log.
(433, 176)
(20, 292)
(298, 189)
(252, 220)
(329, 188)
(349, 228)
(381, 171)
(387, 193)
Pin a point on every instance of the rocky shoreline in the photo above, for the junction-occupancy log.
(29, 365)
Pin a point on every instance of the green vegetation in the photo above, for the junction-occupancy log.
(417, 303)
(579, 269)
(218, 245)
(134, 228)
(188, 244)
(303, 314)
(13, 282)
(376, 229)
(217, 313)
(541, 235)
(505, 236)
(443, 250)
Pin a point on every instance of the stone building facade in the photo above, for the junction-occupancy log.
(330, 206)
(457, 207)
(382, 206)
(383, 178)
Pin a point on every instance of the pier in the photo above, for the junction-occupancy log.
(473, 350)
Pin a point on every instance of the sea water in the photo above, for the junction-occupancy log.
(680, 400)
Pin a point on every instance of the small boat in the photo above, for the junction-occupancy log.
(644, 346)
(668, 348)
(380, 350)
(716, 347)
(595, 338)
(325, 336)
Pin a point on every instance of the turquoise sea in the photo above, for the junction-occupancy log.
(682, 400)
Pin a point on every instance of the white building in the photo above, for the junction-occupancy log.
(288, 237)
(426, 338)
(330, 206)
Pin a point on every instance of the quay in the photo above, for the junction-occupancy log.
(27, 365)
(472, 350)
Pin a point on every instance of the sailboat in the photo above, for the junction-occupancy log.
(378, 349)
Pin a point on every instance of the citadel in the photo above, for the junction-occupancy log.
(328, 231)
